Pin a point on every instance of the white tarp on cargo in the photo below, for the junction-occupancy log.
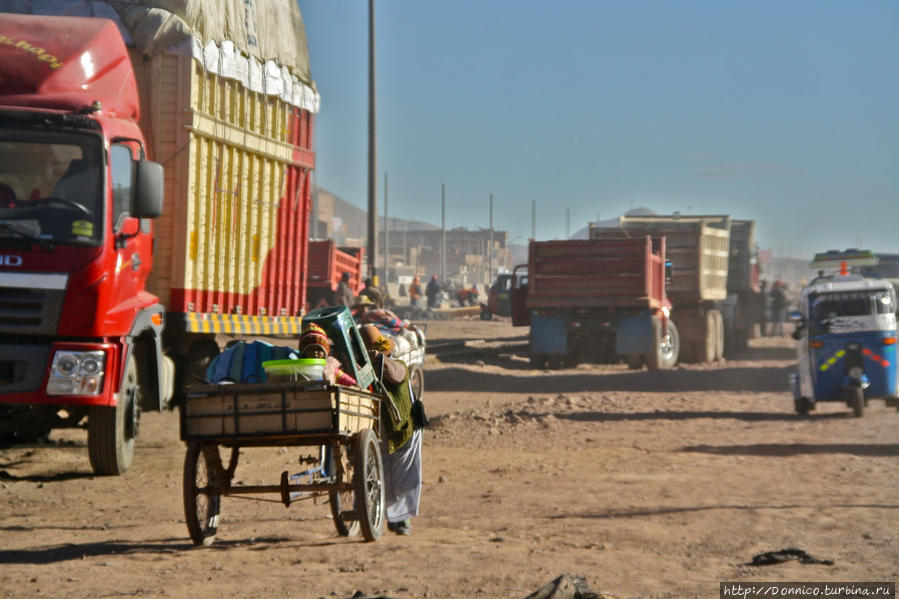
(261, 43)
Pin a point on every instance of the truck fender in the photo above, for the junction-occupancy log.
(158, 369)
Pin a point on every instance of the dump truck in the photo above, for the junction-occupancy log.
(327, 263)
(714, 277)
(596, 300)
(116, 271)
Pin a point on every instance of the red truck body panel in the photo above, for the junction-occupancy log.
(589, 273)
(66, 63)
(327, 263)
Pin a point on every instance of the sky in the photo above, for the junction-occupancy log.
(785, 112)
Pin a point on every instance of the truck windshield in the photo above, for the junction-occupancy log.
(50, 186)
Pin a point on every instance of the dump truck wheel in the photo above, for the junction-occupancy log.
(634, 361)
(802, 405)
(111, 430)
(667, 347)
(718, 323)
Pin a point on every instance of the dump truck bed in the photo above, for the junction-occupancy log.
(698, 248)
(590, 273)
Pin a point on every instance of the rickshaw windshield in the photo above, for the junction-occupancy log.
(827, 306)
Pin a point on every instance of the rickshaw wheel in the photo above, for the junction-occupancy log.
(857, 401)
(201, 486)
(343, 500)
(368, 483)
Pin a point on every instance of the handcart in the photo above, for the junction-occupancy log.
(342, 421)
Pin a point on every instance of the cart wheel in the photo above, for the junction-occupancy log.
(202, 498)
(342, 501)
(418, 381)
(368, 482)
(857, 401)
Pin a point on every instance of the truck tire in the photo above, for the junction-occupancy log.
(667, 348)
(718, 323)
(111, 430)
(704, 342)
(634, 361)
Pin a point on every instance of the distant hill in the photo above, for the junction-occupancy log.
(354, 220)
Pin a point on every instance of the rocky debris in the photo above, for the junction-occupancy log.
(567, 586)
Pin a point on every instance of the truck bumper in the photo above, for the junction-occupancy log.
(24, 370)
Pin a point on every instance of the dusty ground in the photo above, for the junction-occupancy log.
(648, 484)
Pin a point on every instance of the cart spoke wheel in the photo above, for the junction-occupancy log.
(203, 477)
(368, 481)
(418, 381)
(343, 501)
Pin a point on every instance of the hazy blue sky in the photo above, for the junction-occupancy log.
(786, 112)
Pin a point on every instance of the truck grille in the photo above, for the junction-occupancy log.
(29, 311)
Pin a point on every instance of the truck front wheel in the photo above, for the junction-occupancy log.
(667, 347)
(111, 430)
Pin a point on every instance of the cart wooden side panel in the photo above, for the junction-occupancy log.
(278, 410)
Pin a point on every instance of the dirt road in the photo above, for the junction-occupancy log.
(648, 484)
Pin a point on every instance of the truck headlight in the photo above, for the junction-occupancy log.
(76, 373)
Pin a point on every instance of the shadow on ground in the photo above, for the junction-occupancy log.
(764, 379)
(790, 449)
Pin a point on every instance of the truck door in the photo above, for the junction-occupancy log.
(518, 297)
(131, 239)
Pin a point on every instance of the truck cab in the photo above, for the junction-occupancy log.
(79, 334)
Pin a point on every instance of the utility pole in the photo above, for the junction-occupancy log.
(372, 151)
(443, 232)
(490, 271)
(534, 219)
(314, 232)
(386, 236)
(568, 223)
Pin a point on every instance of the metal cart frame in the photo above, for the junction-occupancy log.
(344, 422)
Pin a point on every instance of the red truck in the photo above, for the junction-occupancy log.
(597, 300)
(110, 302)
(327, 263)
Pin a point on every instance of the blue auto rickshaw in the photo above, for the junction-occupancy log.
(846, 329)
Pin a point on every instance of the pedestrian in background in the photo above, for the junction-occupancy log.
(344, 295)
(414, 292)
(778, 307)
(763, 308)
(432, 291)
(372, 293)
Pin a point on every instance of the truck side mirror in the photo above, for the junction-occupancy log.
(796, 316)
(149, 186)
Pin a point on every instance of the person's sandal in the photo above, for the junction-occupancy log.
(402, 528)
